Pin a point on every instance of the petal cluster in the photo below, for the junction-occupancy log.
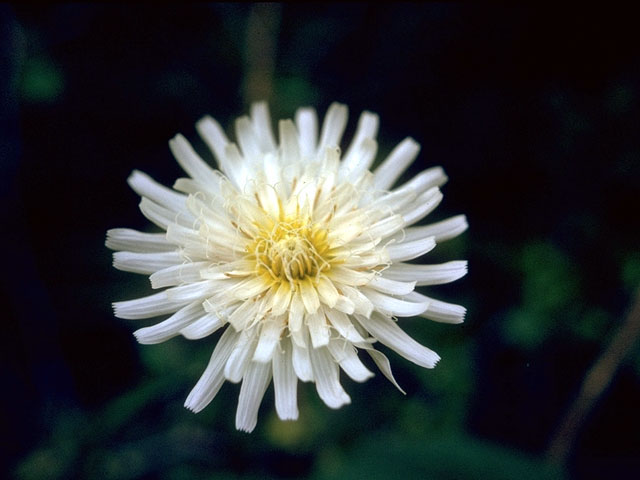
(298, 252)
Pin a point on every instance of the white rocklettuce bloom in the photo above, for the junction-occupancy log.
(296, 251)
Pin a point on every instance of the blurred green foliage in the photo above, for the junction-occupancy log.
(550, 287)
(41, 81)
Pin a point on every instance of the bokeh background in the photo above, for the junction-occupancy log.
(533, 112)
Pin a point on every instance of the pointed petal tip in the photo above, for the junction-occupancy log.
(115, 306)
(245, 428)
(189, 406)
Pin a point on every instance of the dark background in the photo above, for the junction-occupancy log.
(533, 112)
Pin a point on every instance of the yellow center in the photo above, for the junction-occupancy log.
(291, 250)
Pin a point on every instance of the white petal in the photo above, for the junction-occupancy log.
(392, 287)
(327, 292)
(425, 180)
(269, 337)
(261, 120)
(395, 200)
(240, 356)
(285, 383)
(309, 296)
(289, 142)
(212, 378)
(346, 355)
(386, 227)
(193, 186)
(423, 206)
(342, 323)
(254, 384)
(245, 314)
(213, 136)
(281, 299)
(307, 126)
(194, 245)
(333, 126)
(344, 305)
(300, 358)
(394, 306)
(273, 174)
(444, 230)
(427, 274)
(146, 263)
(134, 241)
(383, 364)
(346, 228)
(163, 217)
(296, 313)
(349, 276)
(178, 274)
(366, 131)
(192, 291)
(247, 139)
(202, 327)
(318, 329)
(147, 307)
(326, 374)
(145, 186)
(362, 304)
(363, 159)
(171, 326)
(440, 311)
(391, 335)
(400, 252)
(248, 289)
(233, 165)
(395, 164)
(190, 161)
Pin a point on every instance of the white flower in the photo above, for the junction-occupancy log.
(296, 251)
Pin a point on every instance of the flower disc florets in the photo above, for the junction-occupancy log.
(290, 251)
(298, 252)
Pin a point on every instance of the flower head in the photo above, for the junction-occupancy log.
(298, 252)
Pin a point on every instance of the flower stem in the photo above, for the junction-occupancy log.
(260, 51)
(595, 382)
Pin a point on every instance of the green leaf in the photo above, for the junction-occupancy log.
(450, 458)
